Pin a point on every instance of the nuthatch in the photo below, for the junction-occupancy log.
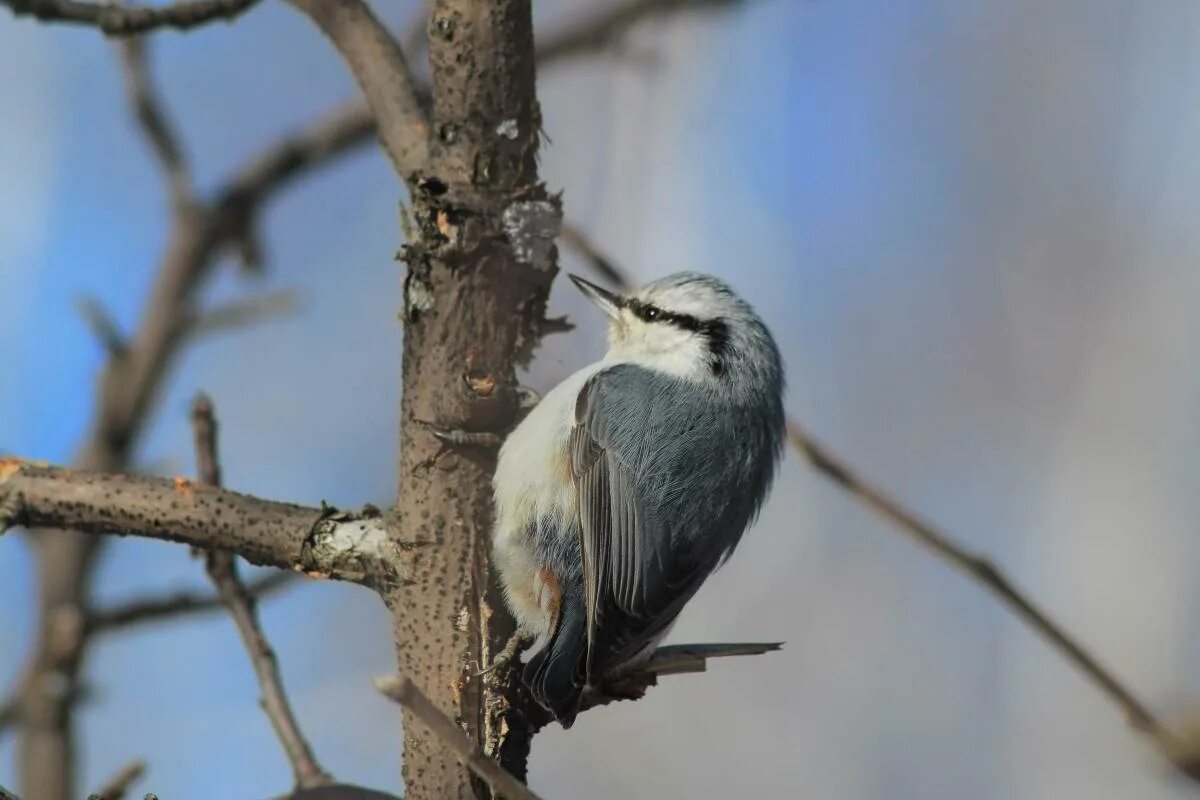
(633, 480)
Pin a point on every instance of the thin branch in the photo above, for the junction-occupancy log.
(604, 28)
(974, 566)
(150, 114)
(980, 570)
(324, 541)
(574, 237)
(222, 569)
(175, 606)
(403, 691)
(241, 314)
(378, 64)
(102, 325)
(121, 20)
(119, 784)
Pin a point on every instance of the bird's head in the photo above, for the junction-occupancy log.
(688, 324)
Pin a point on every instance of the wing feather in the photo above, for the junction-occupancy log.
(635, 581)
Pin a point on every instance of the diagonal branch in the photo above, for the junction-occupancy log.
(175, 606)
(974, 566)
(222, 569)
(102, 325)
(405, 692)
(378, 64)
(241, 314)
(321, 541)
(118, 785)
(121, 20)
(148, 110)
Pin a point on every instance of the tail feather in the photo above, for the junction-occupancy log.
(556, 674)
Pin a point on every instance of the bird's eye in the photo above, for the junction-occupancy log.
(650, 313)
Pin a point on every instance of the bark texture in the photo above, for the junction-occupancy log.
(480, 262)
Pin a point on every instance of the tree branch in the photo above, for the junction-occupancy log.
(240, 314)
(175, 606)
(222, 569)
(378, 64)
(102, 325)
(119, 784)
(121, 20)
(405, 692)
(148, 110)
(325, 542)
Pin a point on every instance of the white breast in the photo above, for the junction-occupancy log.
(533, 481)
(533, 476)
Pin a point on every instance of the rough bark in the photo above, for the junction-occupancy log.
(323, 541)
(479, 271)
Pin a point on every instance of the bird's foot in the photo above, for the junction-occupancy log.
(459, 438)
(518, 643)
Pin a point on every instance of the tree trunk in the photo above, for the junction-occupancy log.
(480, 262)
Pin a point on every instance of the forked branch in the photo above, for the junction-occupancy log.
(171, 607)
(378, 64)
(222, 569)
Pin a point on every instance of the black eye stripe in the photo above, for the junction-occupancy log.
(715, 331)
(648, 312)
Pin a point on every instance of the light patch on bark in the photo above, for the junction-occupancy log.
(352, 547)
(531, 227)
(508, 129)
(418, 298)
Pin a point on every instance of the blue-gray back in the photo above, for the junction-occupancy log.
(668, 475)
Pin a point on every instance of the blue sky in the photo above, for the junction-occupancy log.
(970, 226)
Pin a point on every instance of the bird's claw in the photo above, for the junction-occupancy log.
(459, 438)
(518, 643)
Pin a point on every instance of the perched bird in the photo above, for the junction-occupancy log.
(634, 478)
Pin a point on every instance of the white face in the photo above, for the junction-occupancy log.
(657, 344)
(658, 327)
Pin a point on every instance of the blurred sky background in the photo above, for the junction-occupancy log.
(973, 229)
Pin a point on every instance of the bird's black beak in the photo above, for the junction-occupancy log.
(608, 302)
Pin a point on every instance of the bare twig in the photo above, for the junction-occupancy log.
(323, 541)
(241, 314)
(581, 243)
(119, 784)
(175, 606)
(405, 692)
(222, 569)
(980, 570)
(974, 566)
(115, 19)
(102, 325)
(382, 73)
(148, 110)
